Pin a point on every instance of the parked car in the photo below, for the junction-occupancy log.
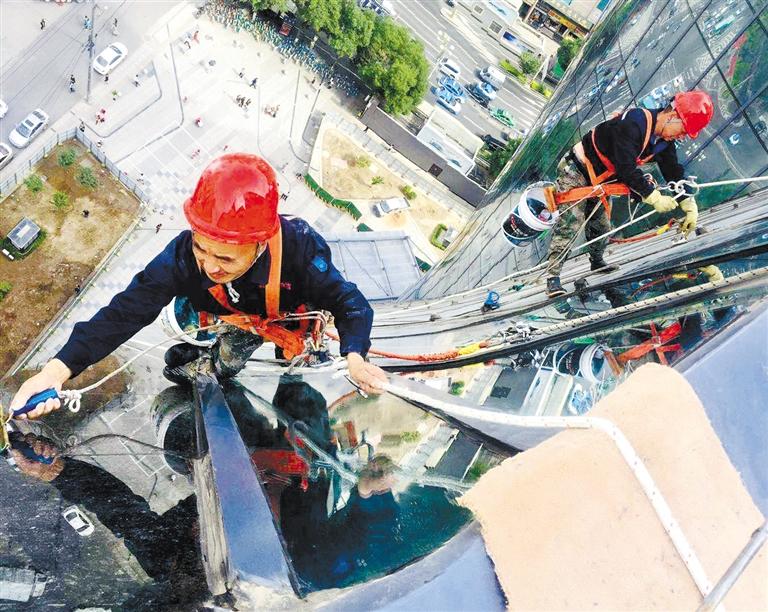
(503, 116)
(109, 58)
(482, 92)
(734, 139)
(493, 76)
(449, 101)
(453, 86)
(493, 143)
(6, 154)
(78, 521)
(27, 130)
(384, 207)
(3, 109)
(449, 68)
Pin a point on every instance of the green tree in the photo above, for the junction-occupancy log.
(67, 158)
(5, 288)
(34, 183)
(323, 15)
(60, 200)
(278, 6)
(500, 157)
(355, 30)
(529, 63)
(568, 50)
(86, 177)
(377, 180)
(394, 65)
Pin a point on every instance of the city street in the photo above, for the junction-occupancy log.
(38, 76)
(472, 49)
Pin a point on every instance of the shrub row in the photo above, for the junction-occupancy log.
(518, 74)
(326, 197)
(440, 227)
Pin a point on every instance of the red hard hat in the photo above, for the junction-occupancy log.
(695, 109)
(235, 200)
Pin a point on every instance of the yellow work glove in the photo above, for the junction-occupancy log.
(713, 273)
(688, 206)
(660, 202)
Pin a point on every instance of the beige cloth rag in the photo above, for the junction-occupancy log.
(568, 527)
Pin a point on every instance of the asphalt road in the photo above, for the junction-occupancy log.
(472, 49)
(39, 76)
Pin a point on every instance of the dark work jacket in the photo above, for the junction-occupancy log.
(620, 140)
(308, 277)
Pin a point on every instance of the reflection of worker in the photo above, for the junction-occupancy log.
(241, 260)
(164, 545)
(614, 150)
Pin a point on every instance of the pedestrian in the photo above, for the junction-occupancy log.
(239, 100)
(78, 289)
(42, 24)
(195, 36)
(186, 42)
(72, 82)
(140, 180)
(241, 73)
(225, 147)
(86, 22)
(274, 112)
(157, 228)
(100, 143)
(614, 151)
(314, 81)
(136, 80)
(254, 81)
(86, 212)
(240, 188)
(81, 127)
(247, 103)
(106, 78)
(114, 23)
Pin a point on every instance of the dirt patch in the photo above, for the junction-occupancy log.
(344, 178)
(44, 281)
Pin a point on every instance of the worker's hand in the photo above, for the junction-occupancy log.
(713, 273)
(368, 376)
(38, 469)
(691, 210)
(53, 375)
(661, 203)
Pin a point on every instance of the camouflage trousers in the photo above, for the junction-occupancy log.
(568, 225)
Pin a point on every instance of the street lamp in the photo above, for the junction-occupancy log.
(443, 39)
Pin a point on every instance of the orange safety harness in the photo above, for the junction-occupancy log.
(292, 342)
(555, 199)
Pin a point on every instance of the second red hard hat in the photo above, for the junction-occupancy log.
(235, 200)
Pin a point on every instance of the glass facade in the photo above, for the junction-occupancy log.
(641, 54)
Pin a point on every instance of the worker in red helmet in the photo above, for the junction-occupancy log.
(241, 263)
(614, 151)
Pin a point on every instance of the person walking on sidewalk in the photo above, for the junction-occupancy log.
(136, 80)
(254, 81)
(240, 262)
(72, 82)
(614, 151)
(42, 24)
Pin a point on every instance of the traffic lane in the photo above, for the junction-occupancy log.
(472, 116)
(40, 79)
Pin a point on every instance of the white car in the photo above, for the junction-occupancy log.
(449, 68)
(3, 109)
(384, 207)
(33, 124)
(78, 521)
(108, 59)
(6, 154)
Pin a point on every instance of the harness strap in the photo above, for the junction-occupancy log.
(291, 341)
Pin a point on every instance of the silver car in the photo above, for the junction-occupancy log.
(6, 154)
(110, 57)
(33, 124)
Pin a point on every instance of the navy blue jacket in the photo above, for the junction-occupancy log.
(621, 139)
(308, 277)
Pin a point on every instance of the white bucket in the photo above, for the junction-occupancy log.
(532, 209)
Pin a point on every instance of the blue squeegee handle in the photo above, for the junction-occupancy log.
(35, 400)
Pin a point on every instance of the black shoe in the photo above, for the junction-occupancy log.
(599, 265)
(179, 360)
(554, 288)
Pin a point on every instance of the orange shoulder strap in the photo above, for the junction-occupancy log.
(275, 245)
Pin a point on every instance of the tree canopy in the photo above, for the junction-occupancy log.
(394, 64)
(529, 63)
(323, 15)
(569, 49)
(355, 30)
(278, 6)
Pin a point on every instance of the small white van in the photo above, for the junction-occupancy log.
(493, 76)
(449, 68)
